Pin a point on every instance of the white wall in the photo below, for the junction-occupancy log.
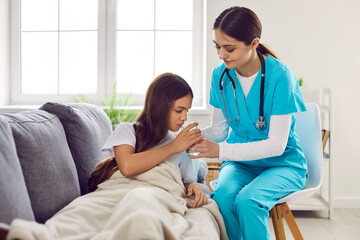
(319, 40)
(4, 52)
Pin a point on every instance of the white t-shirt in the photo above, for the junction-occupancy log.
(246, 82)
(125, 134)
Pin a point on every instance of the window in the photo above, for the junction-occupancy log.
(56, 47)
(63, 48)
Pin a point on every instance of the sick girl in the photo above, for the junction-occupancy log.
(138, 147)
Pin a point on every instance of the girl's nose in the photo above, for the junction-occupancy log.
(184, 116)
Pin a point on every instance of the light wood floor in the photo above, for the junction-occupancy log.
(315, 225)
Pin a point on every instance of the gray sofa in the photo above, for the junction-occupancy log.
(46, 157)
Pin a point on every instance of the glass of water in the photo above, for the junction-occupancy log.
(182, 128)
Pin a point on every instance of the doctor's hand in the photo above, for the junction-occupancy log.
(200, 197)
(206, 149)
(186, 138)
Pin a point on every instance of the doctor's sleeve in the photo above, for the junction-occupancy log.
(219, 129)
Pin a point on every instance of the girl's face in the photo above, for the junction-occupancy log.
(178, 112)
(234, 53)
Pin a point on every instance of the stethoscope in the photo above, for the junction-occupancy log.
(260, 123)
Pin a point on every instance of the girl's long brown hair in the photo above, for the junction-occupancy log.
(151, 125)
(242, 24)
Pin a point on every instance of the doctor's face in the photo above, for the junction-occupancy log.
(178, 113)
(234, 53)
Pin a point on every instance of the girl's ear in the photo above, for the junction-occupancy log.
(255, 43)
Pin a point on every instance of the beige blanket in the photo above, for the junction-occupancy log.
(151, 205)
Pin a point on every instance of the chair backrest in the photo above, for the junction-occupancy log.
(309, 132)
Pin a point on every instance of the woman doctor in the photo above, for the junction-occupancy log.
(261, 159)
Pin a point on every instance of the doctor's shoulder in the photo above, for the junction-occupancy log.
(276, 64)
(218, 70)
(280, 72)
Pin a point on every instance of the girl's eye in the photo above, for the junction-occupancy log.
(178, 111)
(217, 47)
(230, 50)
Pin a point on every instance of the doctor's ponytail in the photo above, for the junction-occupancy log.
(242, 24)
(266, 50)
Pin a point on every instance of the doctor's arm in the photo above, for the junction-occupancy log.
(273, 146)
(219, 129)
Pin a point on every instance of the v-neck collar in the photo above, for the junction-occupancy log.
(245, 80)
(252, 99)
(239, 90)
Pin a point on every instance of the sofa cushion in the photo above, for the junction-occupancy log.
(87, 128)
(46, 161)
(15, 201)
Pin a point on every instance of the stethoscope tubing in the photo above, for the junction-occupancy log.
(261, 108)
(261, 121)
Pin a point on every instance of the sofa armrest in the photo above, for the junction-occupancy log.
(4, 226)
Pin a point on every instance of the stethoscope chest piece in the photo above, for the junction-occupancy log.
(260, 122)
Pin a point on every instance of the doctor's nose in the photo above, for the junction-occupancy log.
(222, 54)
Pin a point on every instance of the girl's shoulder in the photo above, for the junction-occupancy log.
(124, 129)
(125, 126)
(123, 134)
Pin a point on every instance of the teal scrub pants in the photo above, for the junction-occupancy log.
(246, 194)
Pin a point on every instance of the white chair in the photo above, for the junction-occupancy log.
(309, 133)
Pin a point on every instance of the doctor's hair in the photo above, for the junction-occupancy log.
(242, 24)
(152, 124)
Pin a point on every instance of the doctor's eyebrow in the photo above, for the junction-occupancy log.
(225, 45)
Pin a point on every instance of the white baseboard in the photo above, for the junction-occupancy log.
(350, 202)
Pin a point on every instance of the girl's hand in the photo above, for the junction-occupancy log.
(206, 149)
(200, 197)
(186, 138)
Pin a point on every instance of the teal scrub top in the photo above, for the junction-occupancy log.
(282, 95)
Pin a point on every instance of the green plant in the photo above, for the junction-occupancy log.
(115, 106)
(300, 80)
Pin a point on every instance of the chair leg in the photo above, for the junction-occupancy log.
(275, 213)
(290, 220)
